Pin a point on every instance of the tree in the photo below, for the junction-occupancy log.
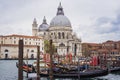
(50, 48)
(47, 47)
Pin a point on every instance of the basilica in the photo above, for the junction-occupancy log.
(60, 31)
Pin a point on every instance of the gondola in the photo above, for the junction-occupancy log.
(81, 74)
(115, 69)
(61, 72)
(27, 68)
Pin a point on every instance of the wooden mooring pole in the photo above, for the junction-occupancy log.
(38, 66)
(20, 58)
(27, 62)
(51, 61)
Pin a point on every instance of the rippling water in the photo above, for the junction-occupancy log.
(8, 71)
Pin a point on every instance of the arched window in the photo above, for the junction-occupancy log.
(6, 56)
(62, 44)
(67, 36)
(63, 35)
(44, 33)
(1, 42)
(6, 50)
(27, 50)
(32, 56)
(32, 50)
(29, 42)
(6, 53)
(14, 42)
(55, 36)
(75, 49)
(59, 35)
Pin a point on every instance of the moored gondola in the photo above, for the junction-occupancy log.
(27, 68)
(115, 69)
(61, 72)
(81, 74)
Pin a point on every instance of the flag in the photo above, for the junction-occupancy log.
(44, 57)
(70, 57)
(94, 61)
(47, 57)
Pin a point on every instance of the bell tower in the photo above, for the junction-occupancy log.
(34, 27)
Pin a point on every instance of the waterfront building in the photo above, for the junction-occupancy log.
(60, 31)
(9, 46)
(108, 52)
(90, 49)
(110, 48)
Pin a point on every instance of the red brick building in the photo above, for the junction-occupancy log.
(108, 52)
(108, 48)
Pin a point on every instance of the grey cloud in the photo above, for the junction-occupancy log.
(116, 24)
(117, 21)
(107, 25)
(19, 15)
(104, 28)
(102, 20)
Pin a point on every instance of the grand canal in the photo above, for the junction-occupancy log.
(8, 71)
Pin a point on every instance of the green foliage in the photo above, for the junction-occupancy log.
(47, 47)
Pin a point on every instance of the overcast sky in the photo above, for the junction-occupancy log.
(92, 20)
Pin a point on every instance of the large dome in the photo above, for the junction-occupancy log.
(60, 20)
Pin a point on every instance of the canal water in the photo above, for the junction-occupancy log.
(9, 71)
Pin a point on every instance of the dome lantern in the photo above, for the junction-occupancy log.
(60, 20)
(60, 10)
(44, 20)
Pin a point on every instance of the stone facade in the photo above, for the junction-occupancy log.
(110, 49)
(60, 31)
(9, 46)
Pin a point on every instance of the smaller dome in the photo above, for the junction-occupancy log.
(44, 26)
